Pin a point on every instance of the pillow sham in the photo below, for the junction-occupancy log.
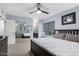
(71, 37)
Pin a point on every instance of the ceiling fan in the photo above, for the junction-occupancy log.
(38, 9)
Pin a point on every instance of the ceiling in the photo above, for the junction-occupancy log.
(21, 9)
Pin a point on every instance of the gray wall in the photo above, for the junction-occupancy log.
(58, 21)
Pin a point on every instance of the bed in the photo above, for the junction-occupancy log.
(26, 35)
(50, 46)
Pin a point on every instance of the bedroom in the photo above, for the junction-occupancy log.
(51, 28)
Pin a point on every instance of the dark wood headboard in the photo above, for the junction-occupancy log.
(68, 31)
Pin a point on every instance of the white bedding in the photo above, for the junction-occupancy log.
(26, 34)
(58, 46)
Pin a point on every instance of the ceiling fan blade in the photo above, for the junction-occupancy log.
(38, 5)
(44, 12)
(32, 12)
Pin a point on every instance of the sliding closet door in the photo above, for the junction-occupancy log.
(49, 28)
(45, 28)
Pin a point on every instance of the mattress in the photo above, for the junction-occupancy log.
(58, 46)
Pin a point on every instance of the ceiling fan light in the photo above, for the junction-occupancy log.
(38, 12)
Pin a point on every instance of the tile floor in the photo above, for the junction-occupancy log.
(21, 48)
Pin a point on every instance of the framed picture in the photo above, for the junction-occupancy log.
(69, 19)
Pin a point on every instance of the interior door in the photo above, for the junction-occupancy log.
(10, 27)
